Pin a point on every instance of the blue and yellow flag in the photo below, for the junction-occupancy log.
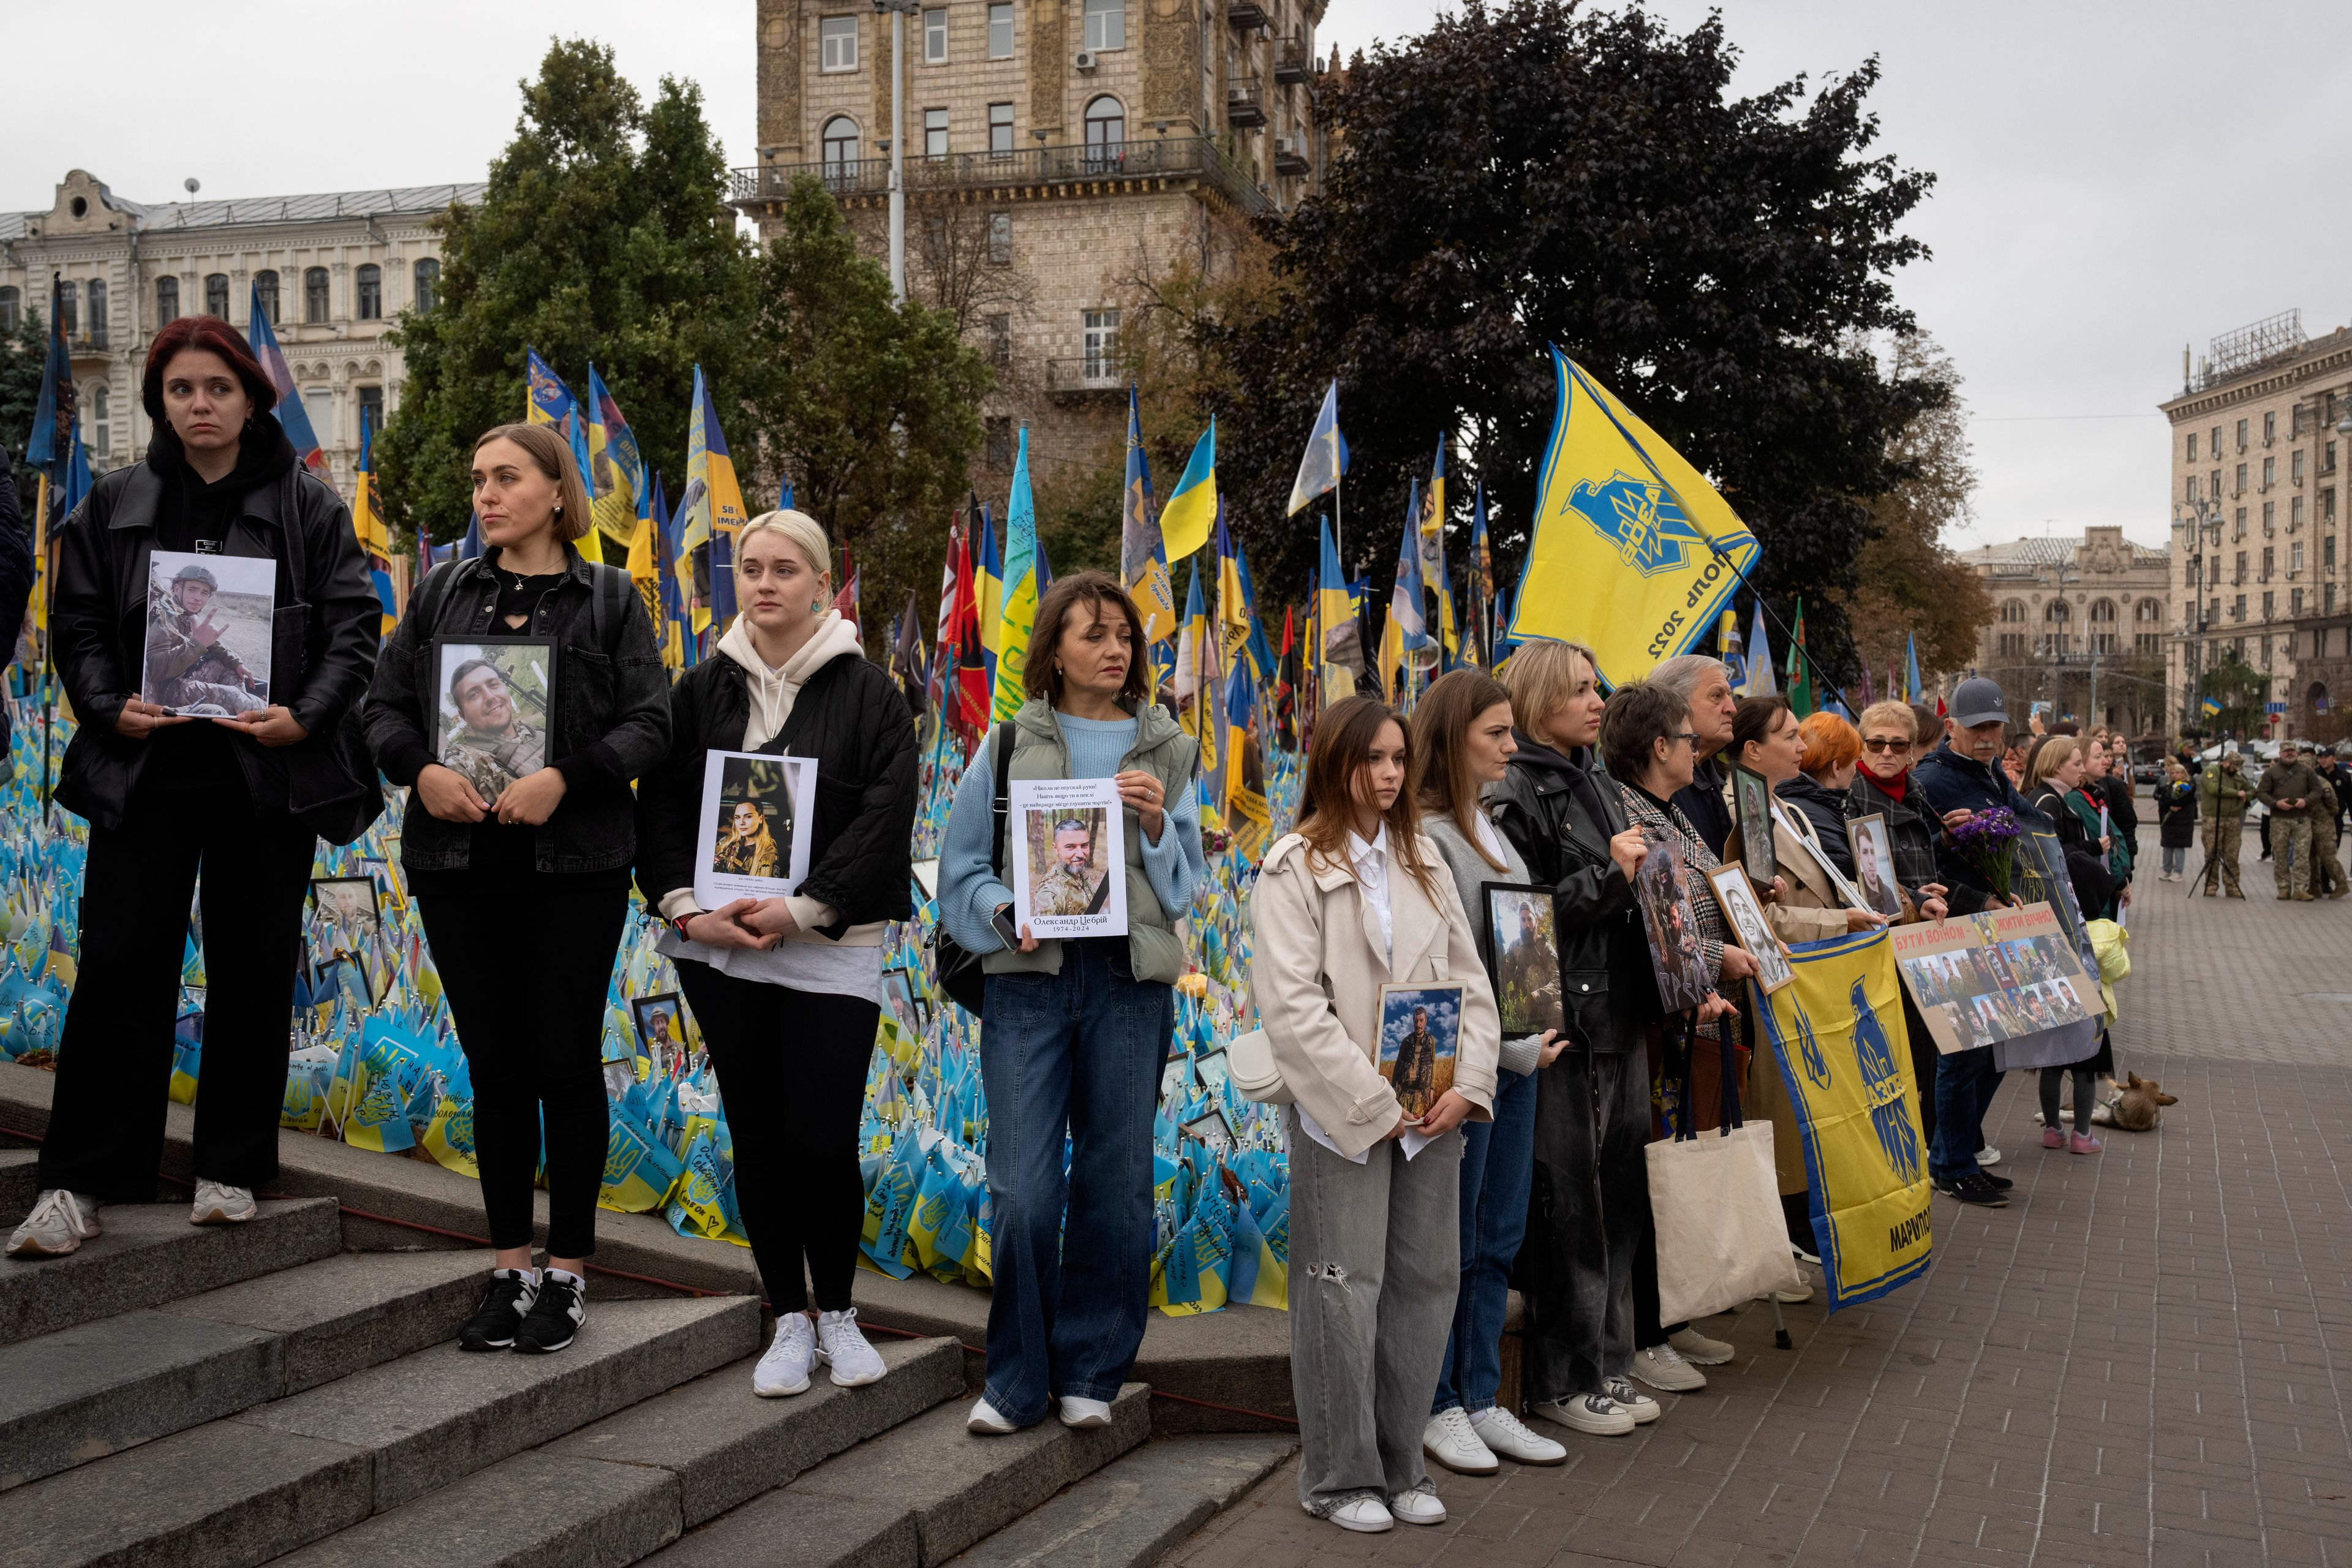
(1339, 648)
(712, 507)
(616, 474)
(1405, 638)
(1017, 601)
(367, 522)
(1634, 551)
(1191, 509)
(1326, 457)
(1433, 549)
(1478, 647)
(989, 571)
(1261, 651)
(1198, 690)
(1233, 597)
(1837, 1037)
(1243, 803)
(1142, 553)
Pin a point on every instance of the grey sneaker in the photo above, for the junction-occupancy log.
(58, 1224)
(220, 1204)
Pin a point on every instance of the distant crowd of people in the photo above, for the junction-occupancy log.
(2304, 798)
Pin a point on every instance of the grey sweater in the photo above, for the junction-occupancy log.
(1471, 869)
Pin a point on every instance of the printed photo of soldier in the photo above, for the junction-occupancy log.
(493, 712)
(1066, 876)
(208, 633)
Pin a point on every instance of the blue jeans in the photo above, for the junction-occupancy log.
(1077, 1057)
(1965, 1085)
(1497, 1172)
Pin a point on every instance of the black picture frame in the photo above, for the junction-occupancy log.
(1870, 828)
(664, 1004)
(1752, 808)
(1670, 928)
(1503, 905)
(531, 700)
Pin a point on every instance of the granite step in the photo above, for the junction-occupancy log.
(254, 1486)
(85, 1392)
(1135, 1511)
(915, 1496)
(20, 1183)
(623, 1488)
(150, 1254)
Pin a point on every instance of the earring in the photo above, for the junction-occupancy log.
(816, 606)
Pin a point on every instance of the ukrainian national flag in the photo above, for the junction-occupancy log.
(1341, 651)
(1477, 646)
(1233, 597)
(712, 505)
(1191, 509)
(1244, 805)
(1406, 635)
(1261, 651)
(1257, 1276)
(988, 576)
(546, 400)
(1017, 601)
(1143, 553)
(616, 473)
(1634, 551)
(292, 417)
(1433, 547)
(1326, 457)
(367, 522)
(1197, 693)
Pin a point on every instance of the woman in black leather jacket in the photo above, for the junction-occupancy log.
(169, 795)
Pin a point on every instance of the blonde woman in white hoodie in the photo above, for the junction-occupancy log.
(787, 990)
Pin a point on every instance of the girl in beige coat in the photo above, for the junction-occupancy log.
(1356, 900)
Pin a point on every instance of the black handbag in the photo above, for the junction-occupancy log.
(958, 969)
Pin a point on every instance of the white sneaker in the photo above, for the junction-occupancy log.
(1987, 1155)
(987, 1421)
(1504, 1434)
(217, 1204)
(840, 1344)
(1364, 1515)
(1638, 1404)
(1451, 1441)
(784, 1370)
(1662, 1366)
(1595, 1414)
(58, 1225)
(1696, 1347)
(1420, 1506)
(1081, 1414)
(1802, 1291)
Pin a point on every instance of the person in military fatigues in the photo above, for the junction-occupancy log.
(1415, 1079)
(2327, 812)
(2223, 792)
(188, 670)
(2289, 787)
(1068, 888)
(490, 747)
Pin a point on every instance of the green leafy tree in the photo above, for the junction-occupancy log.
(21, 350)
(872, 406)
(604, 234)
(1709, 257)
(2242, 688)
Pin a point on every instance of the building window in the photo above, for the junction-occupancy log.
(217, 294)
(2240, 574)
(428, 284)
(2327, 606)
(2013, 644)
(101, 413)
(2270, 557)
(2294, 601)
(314, 295)
(2293, 513)
(935, 133)
(1000, 340)
(2215, 486)
(2241, 487)
(2270, 472)
(2327, 455)
(2241, 521)
(96, 317)
(319, 403)
(371, 290)
(11, 309)
(2148, 642)
(70, 309)
(2270, 517)
(2238, 608)
(935, 35)
(2270, 609)
(1106, 131)
(999, 32)
(2192, 445)
(2103, 611)
(1000, 442)
(2012, 609)
(837, 48)
(2270, 428)
(840, 147)
(1000, 130)
(265, 288)
(1000, 239)
(1105, 24)
(2295, 466)
(2327, 505)
(371, 409)
(2056, 612)
(167, 300)
(2328, 552)
(2242, 435)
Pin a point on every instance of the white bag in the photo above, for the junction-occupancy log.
(1250, 1061)
(1716, 1205)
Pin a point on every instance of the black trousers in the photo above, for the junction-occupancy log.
(525, 973)
(792, 1069)
(114, 1058)
(1588, 1217)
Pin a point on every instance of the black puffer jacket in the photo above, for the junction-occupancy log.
(325, 630)
(1826, 812)
(853, 719)
(1561, 817)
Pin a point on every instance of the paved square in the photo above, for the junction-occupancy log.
(2145, 1358)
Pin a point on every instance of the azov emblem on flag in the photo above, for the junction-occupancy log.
(1641, 517)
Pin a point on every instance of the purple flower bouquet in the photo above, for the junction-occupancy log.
(1987, 840)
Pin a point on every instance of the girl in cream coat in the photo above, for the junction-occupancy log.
(1355, 899)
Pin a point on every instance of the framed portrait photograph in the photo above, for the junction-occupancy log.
(661, 1025)
(1522, 931)
(1873, 865)
(346, 914)
(902, 993)
(208, 620)
(1671, 924)
(1421, 1034)
(1743, 912)
(492, 708)
(754, 806)
(1069, 857)
(1751, 810)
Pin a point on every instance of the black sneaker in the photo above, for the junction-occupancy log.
(492, 1326)
(554, 1317)
(1998, 1184)
(1972, 1188)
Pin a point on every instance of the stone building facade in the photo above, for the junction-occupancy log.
(341, 267)
(2258, 435)
(1058, 155)
(2080, 624)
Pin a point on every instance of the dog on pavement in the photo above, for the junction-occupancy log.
(2138, 1110)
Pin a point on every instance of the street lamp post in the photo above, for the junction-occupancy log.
(899, 10)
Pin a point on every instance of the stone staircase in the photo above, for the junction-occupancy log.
(221, 1396)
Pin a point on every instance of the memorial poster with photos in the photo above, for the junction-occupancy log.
(1523, 933)
(1421, 1034)
(493, 712)
(1743, 912)
(208, 633)
(2001, 975)
(1670, 923)
(1068, 858)
(754, 810)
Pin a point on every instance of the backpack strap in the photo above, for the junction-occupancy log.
(610, 604)
(1000, 753)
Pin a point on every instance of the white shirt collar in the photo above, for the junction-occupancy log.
(1377, 850)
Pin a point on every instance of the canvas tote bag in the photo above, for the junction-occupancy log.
(1715, 1204)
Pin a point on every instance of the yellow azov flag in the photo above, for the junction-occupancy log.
(1634, 551)
(1837, 1035)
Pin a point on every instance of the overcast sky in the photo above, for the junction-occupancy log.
(2114, 180)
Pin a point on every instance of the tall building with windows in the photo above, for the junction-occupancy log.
(1059, 156)
(334, 272)
(2079, 624)
(2257, 434)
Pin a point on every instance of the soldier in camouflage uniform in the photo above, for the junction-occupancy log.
(188, 670)
(1067, 889)
(490, 748)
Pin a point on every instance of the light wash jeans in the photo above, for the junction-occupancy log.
(1072, 1059)
(2176, 861)
(1497, 1172)
(1375, 1263)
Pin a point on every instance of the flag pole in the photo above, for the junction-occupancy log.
(49, 665)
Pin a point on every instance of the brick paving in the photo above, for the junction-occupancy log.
(2145, 1358)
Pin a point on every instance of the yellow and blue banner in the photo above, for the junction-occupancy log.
(989, 567)
(615, 472)
(712, 508)
(1433, 549)
(1142, 553)
(1405, 638)
(1017, 600)
(1326, 457)
(1191, 509)
(367, 522)
(1634, 551)
(1844, 1055)
(1338, 647)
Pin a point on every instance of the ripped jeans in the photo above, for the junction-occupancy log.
(1375, 1261)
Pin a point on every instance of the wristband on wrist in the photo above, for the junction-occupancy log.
(679, 924)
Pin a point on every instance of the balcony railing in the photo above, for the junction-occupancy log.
(1087, 372)
(1290, 63)
(1245, 101)
(1157, 156)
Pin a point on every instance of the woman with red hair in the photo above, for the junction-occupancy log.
(244, 797)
